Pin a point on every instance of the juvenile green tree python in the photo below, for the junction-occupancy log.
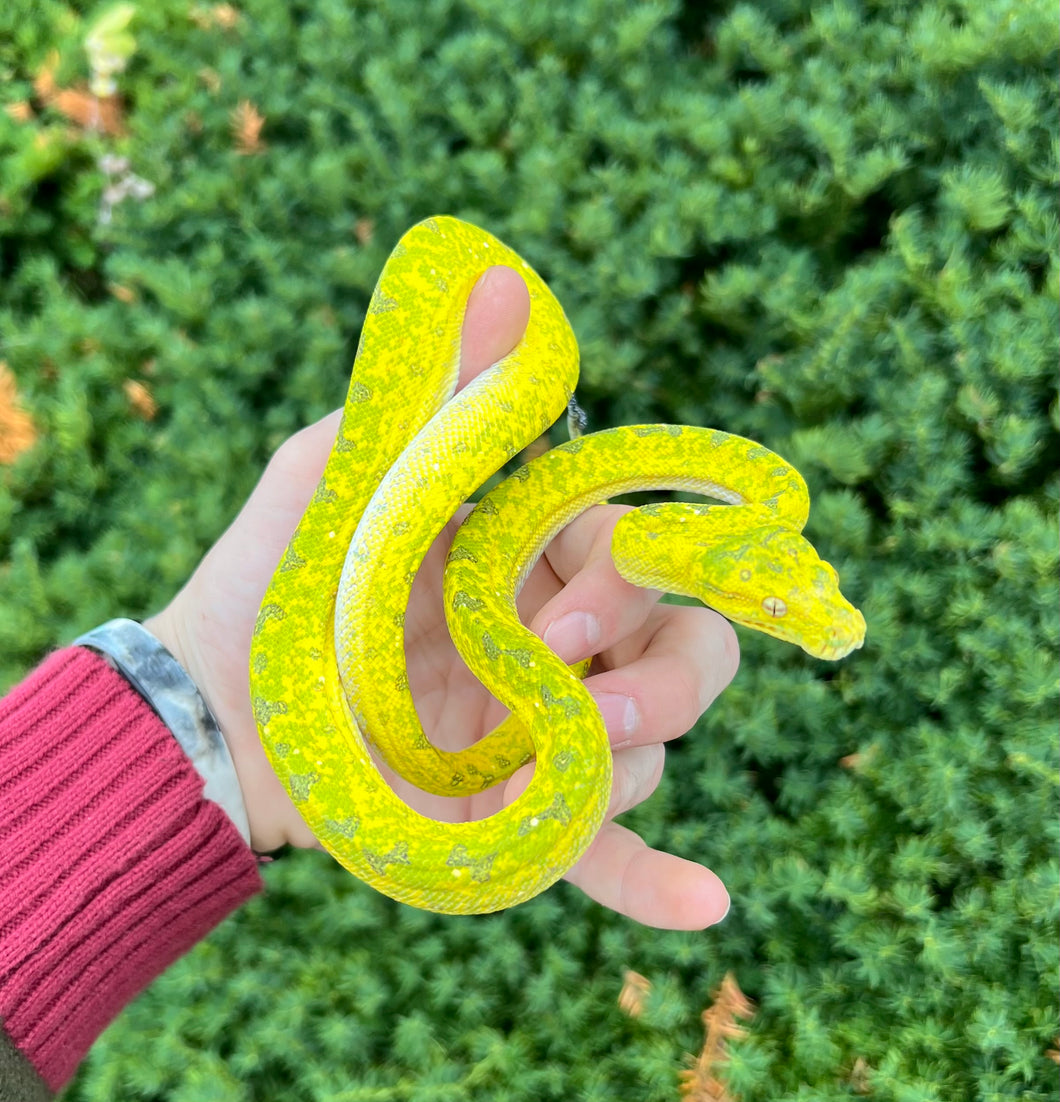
(328, 673)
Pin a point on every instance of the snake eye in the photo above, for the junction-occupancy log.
(775, 606)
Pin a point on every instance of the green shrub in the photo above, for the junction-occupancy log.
(827, 225)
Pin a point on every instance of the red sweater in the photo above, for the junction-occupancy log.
(112, 864)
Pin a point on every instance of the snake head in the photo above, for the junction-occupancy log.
(743, 563)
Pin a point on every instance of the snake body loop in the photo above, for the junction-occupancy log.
(327, 660)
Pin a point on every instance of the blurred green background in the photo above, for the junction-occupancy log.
(826, 224)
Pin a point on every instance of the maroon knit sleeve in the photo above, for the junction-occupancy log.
(112, 864)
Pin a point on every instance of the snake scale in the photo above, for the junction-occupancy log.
(327, 666)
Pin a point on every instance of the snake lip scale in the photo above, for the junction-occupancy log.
(329, 683)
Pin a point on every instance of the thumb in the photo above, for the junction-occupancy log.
(498, 310)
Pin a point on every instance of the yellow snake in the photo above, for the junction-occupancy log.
(327, 666)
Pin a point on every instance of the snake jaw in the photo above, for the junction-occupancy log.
(843, 635)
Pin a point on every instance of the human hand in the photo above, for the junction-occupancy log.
(657, 667)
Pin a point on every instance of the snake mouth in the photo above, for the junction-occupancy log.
(834, 650)
(840, 640)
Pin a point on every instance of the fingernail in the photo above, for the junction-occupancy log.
(619, 714)
(573, 636)
(728, 907)
(482, 282)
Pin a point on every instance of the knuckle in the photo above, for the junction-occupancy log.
(284, 459)
(693, 696)
(637, 775)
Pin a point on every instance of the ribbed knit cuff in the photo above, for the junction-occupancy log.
(113, 863)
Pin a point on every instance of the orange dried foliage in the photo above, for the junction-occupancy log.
(141, 399)
(700, 1083)
(860, 758)
(20, 111)
(246, 129)
(224, 16)
(211, 79)
(860, 1077)
(44, 81)
(99, 113)
(17, 431)
(122, 293)
(635, 989)
(90, 112)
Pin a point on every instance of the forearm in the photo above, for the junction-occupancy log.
(114, 863)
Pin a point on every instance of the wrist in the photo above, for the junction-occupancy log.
(274, 820)
(165, 685)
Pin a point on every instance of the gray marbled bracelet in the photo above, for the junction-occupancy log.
(160, 679)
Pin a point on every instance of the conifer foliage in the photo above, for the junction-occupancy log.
(826, 224)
